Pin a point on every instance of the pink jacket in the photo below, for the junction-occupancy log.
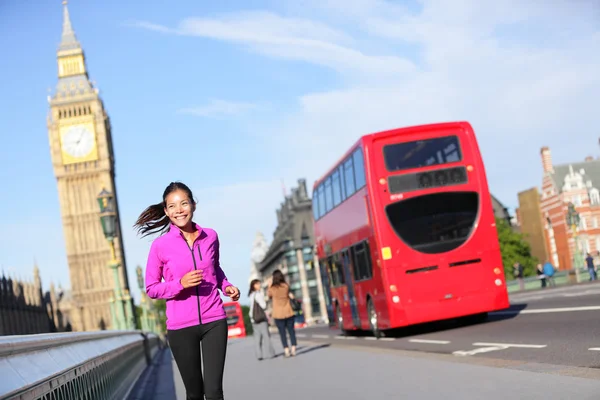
(170, 259)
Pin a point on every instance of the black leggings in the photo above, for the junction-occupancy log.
(185, 346)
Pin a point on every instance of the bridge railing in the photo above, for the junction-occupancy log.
(560, 278)
(82, 365)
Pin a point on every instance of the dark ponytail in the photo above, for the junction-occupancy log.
(154, 219)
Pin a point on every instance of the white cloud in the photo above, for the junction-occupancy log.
(219, 108)
(288, 38)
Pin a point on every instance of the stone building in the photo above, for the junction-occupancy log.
(577, 183)
(292, 250)
(531, 224)
(26, 309)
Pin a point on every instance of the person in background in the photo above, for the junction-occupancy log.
(589, 260)
(540, 274)
(518, 274)
(549, 272)
(260, 322)
(184, 268)
(283, 314)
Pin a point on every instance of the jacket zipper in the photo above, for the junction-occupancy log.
(195, 268)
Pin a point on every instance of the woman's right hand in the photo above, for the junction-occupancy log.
(191, 279)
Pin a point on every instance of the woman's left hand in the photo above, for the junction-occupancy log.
(232, 292)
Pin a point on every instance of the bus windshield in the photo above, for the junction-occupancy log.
(422, 153)
(435, 223)
(232, 315)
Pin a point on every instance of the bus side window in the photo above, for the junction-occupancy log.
(349, 175)
(337, 192)
(321, 200)
(363, 268)
(315, 204)
(328, 195)
(331, 271)
(359, 168)
(342, 182)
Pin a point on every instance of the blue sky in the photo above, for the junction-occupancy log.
(232, 97)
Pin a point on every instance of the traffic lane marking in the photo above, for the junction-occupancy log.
(429, 341)
(594, 349)
(489, 347)
(546, 310)
(519, 345)
(478, 350)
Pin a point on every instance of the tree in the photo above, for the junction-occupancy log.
(514, 248)
(160, 306)
(247, 323)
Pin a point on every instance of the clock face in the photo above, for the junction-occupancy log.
(78, 141)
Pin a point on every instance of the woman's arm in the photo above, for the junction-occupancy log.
(155, 288)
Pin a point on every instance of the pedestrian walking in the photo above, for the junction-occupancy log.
(540, 275)
(589, 260)
(518, 274)
(549, 272)
(283, 314)
(183, 267)
(260, 322)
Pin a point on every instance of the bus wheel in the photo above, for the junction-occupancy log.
(373, 320)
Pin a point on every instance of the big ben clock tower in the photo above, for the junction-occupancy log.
(83, 161)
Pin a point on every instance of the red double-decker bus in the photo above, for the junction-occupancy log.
(235, 320)
(406, 232)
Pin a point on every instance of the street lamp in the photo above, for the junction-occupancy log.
(573, 221)
(144, 301)
(108, 219)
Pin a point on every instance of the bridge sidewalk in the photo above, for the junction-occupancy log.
(327, 372)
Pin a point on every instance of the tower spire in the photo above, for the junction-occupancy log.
(69, 40)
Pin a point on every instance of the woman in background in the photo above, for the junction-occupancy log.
(260, 322)
(283, 314)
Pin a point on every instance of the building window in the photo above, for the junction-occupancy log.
(594, 197)
(594, 222)
(583, 224)
(585, 244)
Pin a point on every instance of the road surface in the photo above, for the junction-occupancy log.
(555, 326)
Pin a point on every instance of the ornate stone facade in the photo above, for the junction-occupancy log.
(26, 309)
(293, 251)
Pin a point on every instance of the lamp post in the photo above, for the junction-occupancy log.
(108, 218)
(573, 222)
(144, 301)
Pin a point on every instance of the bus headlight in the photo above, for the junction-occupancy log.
(396, 299)
(498, 282)
(497, 271)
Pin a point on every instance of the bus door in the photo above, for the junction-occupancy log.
(346, 261)
(323, 265)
